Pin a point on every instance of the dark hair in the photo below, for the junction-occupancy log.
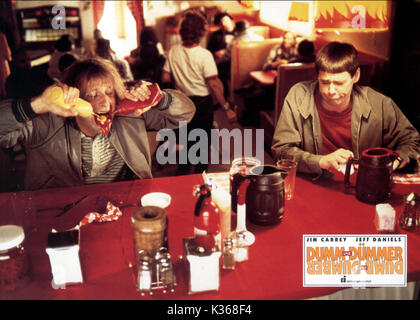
(64, 44)
(148, 36)
(97, 34)
(66, 61)
(103, 48)
(337, 57)
(241, 26)
(193, 28)
(219, 16)
(306, 50)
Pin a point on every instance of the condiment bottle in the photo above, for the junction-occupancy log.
(206, 215)
(241, 252)
(127, 106)
(144, 273)
(167, 275)
(56, 95)
(228, 254)
(14, 262)
(409, 220)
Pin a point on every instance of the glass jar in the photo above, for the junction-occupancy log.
(14, 261)
(409, 219)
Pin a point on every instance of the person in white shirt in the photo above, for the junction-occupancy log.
(194, 72)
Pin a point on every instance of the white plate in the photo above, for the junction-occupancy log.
(157, 199)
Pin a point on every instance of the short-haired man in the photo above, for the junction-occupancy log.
(325, 122)
(194, 72)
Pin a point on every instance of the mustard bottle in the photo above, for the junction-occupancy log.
(84, 108)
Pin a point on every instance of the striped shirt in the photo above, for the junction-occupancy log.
(101, 162)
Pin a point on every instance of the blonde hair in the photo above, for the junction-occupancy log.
(80, 73)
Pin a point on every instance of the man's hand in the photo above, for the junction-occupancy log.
(231, 115)
(43, 103)
(333, 160)
(398, 164)
(140, 91)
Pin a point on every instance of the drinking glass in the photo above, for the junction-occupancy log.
(288, 165)
(24, 210)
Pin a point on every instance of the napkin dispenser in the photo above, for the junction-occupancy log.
(63, 251)
(203, 264)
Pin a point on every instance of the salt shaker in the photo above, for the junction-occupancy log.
(241, 252)
(409, 220)
(228, 254)
(144, 273)
(165, 271)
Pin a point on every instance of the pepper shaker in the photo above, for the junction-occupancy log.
(228, 255)
(145, 273)
(241, 252)
(409, 220)
(167, 275)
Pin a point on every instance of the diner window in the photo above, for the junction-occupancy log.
(119, 26)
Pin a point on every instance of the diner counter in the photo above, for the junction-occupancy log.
(275, 266)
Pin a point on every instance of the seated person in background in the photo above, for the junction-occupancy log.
(195, 73)
(219, 43)
(282, 53)
(66, 149)
(306, 52)
(103, 50)
(221, 39)
(243, 33)
(66, 61)
(97, 34)
(63, 45)
(146, 62)
(325, 122)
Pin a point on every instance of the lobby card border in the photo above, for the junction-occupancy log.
(353, 285)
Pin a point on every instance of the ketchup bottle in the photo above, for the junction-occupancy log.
(206, 215)
(127, 106)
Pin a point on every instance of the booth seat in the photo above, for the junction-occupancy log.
(247, 56)
(287, 76)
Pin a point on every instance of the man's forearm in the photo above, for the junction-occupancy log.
(215, 86)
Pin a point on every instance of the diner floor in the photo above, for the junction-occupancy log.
(222, 123)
